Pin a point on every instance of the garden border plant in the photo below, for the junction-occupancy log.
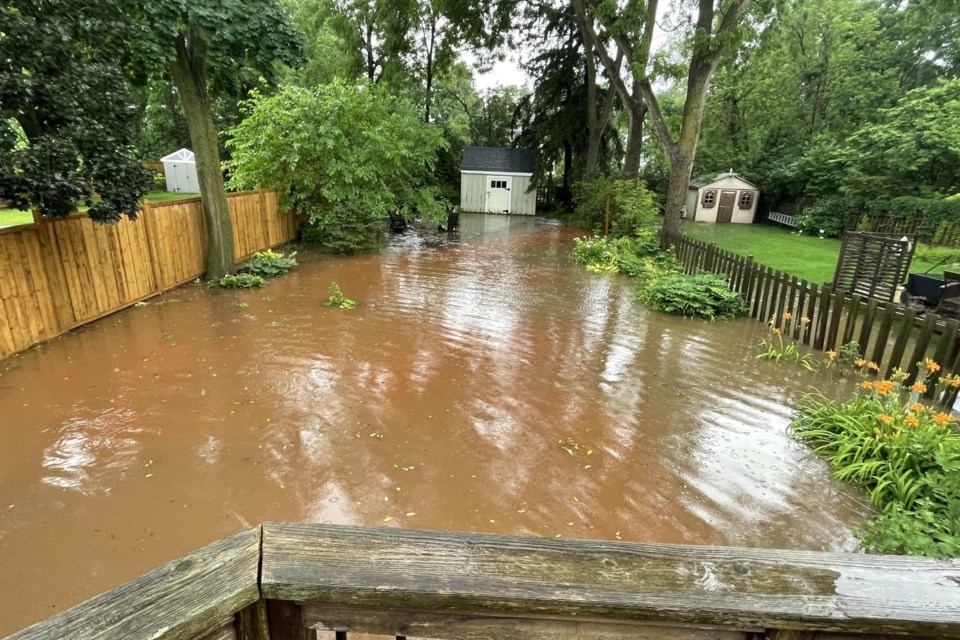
(903, 452)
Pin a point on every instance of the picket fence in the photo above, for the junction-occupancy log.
(886, 333)
(56, 275)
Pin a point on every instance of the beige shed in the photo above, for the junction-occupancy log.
(722, 198)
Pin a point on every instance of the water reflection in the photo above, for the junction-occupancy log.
(482, 384)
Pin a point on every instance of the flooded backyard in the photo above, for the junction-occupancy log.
(484, 383)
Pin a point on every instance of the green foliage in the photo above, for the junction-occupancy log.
(849, 354)
(343, 155)
(907, 457)
(704, 296)
(776, 350)
(67, 123)
(634, 256)
(912, 148)
(270, 264)
(928, 253)
(239, 281)
(632, 205)
(835, 214)
(337, 299)
(830, 217)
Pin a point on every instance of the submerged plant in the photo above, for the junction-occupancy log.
(905, 453)
(776, 350)
(239, 281)
(704, 296)
(337, 299)
(269, 264)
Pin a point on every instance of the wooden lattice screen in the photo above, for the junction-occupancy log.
(873, 264)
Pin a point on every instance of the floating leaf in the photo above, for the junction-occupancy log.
(388, 519)
(411, 513)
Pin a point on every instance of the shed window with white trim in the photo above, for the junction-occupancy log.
(746, 199)
(709, 197)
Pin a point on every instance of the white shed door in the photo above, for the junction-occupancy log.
(498, 194)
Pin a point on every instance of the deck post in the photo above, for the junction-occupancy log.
(285, 620)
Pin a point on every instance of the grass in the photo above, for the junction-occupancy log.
(807, 257)
(13, 217)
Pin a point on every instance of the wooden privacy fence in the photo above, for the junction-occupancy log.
(886, 334)
(305, 581)
(56, 275)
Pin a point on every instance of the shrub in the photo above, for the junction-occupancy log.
(632, 205)
(830, 215)
(905, 454)
(933, 254)
(270, 264)
(704, 295)
(239, 281)
(625, 254)
(341, 154)
(337, 299)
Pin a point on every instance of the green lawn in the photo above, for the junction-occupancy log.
(11, 217)
(807, 257)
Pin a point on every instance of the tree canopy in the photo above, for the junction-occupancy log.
(345, 156)
(67, 127)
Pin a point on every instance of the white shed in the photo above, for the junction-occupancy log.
(180, 170)
(497, 180)
(722, 198)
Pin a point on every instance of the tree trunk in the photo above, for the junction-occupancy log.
(681, 165)
(631, 160)
(189, 74)
(430, 50)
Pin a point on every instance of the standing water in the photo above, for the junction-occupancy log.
(484, 383)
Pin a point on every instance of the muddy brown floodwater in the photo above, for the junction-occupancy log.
(484, 383)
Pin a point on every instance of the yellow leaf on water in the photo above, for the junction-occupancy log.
(587, 466)
(411, 513)
(493, 521)
(388, 519)
(521, 510)
(576, 499)
(11, 506)
(149, 475)
(589, 452)
(558, 536)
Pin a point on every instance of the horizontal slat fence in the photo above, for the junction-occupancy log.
(56, 275)
(887, 334)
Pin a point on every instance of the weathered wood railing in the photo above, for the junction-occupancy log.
(295, 581)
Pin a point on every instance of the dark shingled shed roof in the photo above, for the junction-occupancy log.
(498, 159)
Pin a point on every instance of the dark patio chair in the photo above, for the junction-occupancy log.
(398, 223)
(453, 221)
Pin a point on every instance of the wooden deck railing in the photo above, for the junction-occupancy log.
(299, 581)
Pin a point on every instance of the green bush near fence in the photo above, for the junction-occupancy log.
(703, 296)
(834, 215)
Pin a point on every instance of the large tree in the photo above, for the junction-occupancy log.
(67, 123)
(201, 44)
(712, 33)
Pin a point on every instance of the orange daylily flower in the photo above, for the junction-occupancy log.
(866, 384)
(932, 366)
(859, 362)
(804, 320)
(787, 315)
(873, 366)
(776, 331)
(919, 387)
(911, 421)
(943, 418)
(916, 407)
(883, 387)
(885, 418)
(831, 355)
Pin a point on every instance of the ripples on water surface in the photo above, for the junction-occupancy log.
(483, 384)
